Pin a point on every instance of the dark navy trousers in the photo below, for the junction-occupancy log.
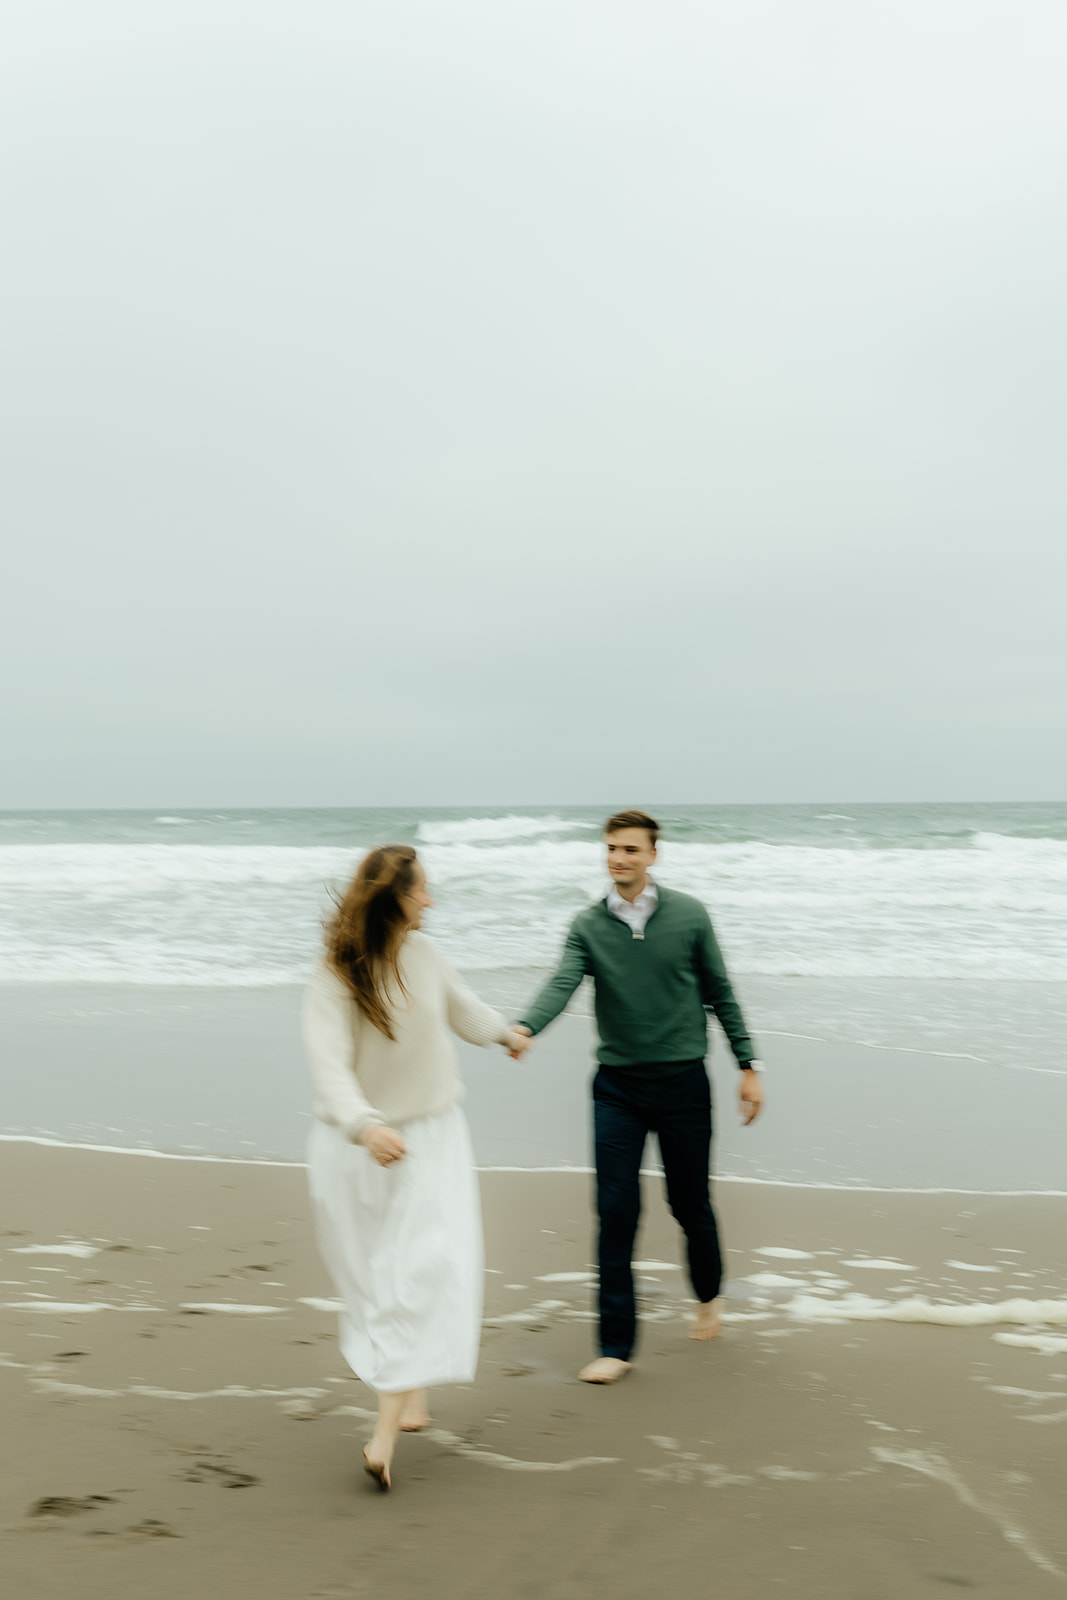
(676, 1107)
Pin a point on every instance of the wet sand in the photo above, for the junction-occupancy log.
(162, 1447)
(222, 1070)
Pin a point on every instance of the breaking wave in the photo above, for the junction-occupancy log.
(506, 887)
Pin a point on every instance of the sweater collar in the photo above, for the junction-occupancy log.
(652, 895)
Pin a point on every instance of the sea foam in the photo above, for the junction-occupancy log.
(506, 888)
(950, 1314)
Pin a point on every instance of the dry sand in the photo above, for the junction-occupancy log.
(160, 1448)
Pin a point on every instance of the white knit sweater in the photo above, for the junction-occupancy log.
(361, 1077)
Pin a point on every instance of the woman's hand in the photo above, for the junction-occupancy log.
(520, 1041)
(384, 1144)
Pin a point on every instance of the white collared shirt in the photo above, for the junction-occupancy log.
(635, 913)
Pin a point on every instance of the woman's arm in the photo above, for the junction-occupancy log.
(331, 1046)
(470, 1017)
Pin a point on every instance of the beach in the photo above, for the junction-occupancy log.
(883, 1413)
(466, 465)
(178, 1417)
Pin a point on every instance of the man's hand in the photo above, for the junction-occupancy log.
(750, 1096)
(384, 1144)
(523, 1040)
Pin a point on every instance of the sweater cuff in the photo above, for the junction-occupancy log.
(356, 1126)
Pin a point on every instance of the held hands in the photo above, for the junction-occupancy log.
(521, 1040)
(384, 1144)
(750, 1097)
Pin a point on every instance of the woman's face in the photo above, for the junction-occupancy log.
(417, 899)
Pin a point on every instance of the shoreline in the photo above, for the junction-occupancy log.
(646, 1172)
(220, 1075)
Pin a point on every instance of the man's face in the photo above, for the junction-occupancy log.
(630, 854)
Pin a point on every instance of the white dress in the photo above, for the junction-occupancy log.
(404, 1248)
(403, 1243)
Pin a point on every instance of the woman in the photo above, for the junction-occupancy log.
(390, 1168)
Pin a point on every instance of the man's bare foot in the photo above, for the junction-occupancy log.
(605, 1369)
(707, 1324)
(415, 1415)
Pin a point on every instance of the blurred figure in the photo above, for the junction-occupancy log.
(657, 971)
(390, 1168)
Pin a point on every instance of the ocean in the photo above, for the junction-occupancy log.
(934, 929)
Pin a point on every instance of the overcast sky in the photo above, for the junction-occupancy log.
(488, 401)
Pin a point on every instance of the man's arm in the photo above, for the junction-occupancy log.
(574, 965)
(718, 995)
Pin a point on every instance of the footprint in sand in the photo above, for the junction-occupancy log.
(66, 1505)
(229, 1477)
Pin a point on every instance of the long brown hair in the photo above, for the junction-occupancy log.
(364, 935)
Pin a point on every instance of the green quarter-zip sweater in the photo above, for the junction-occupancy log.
(652, 993)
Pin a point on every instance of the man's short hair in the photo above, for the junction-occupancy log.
(633, 819)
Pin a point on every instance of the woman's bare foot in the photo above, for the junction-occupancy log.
(605, 1369)
(707, 1324)
(415, 1415)
(376, 1469)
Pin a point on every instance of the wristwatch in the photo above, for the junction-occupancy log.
(752, 1066)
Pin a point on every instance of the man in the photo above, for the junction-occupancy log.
(657, 971)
